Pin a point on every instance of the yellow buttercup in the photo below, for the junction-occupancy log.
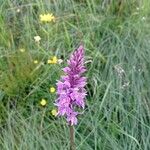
(52, 89)
(54, 60)
(47, 17)
(54, 112)
(43, 102)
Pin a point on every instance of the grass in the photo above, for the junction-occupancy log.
(116, 39)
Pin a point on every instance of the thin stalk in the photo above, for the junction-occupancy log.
(72, 143)
(42, 120)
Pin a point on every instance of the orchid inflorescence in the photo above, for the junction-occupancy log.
(70, 89)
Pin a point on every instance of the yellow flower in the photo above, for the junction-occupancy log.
(43, 102)
(49, 61)
(54, 60)
(47, 18)
(35, 61)
(52, 89)
(22, 50)
(37, 38)
(54, 112)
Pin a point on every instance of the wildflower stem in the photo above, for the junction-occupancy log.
(42, 120)
(72, 144)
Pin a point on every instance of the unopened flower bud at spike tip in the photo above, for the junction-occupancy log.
(70, 89)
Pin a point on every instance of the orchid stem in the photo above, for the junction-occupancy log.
(72, 143)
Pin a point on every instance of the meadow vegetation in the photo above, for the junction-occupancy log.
(116, 38)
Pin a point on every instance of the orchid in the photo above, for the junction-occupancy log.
(70, 88)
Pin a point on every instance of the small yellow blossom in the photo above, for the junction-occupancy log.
(37, 38)
(43, 102)
(54, 60)
(47, 18)
(22, 50)
(49, 61)
(35, 62)
(52, 89)
(54, 112)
